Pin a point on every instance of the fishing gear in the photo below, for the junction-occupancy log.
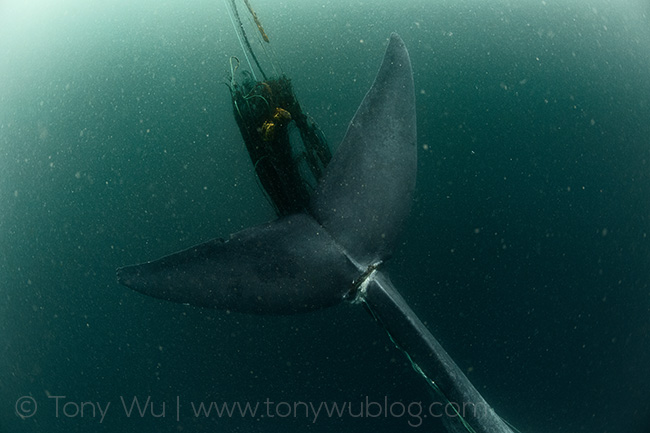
(287, 148)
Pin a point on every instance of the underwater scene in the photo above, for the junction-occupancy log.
(526, 251)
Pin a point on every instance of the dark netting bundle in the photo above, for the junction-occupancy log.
(288, 150)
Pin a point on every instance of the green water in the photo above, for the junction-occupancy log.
(526, 253)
